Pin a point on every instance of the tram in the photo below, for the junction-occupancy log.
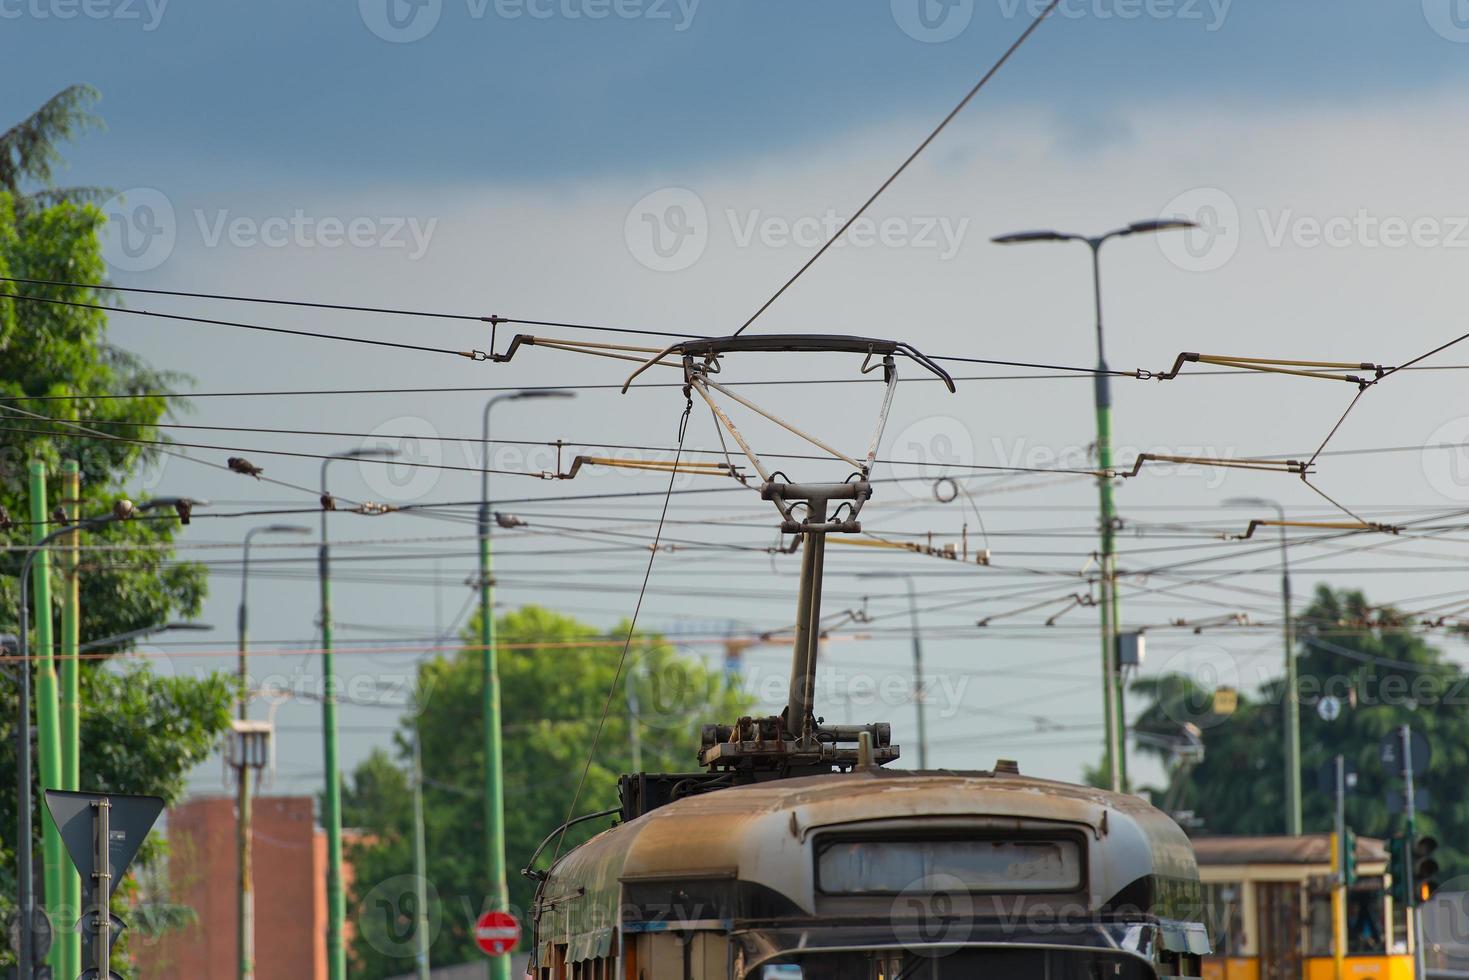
(874, 874)
(793, 854)
(1270, 900)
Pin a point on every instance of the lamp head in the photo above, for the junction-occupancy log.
(1023, 237)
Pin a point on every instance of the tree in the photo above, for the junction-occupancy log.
(1378, 666)
(30, 154)
(555, 677)
(140, 732)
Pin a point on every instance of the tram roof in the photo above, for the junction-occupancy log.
(717, 829)
(1280, 849)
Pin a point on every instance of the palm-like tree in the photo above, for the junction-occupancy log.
(29, 153)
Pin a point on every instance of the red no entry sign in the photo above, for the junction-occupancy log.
(497, 933)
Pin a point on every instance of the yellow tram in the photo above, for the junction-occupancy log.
(1269, 903)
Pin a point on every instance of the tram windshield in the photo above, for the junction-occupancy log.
(961, 965)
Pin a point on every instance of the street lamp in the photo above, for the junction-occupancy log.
(123, 510)
(246, 907)
(1292, 687)
(917, 659)
(499, 893)
(336, 900)
(1102, 396)
(118, 639)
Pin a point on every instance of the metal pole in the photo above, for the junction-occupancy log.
(1410, 810)
(1102, 397)
(1339, 868)
(420, 863)
(71, 898)
(25, 870)
(498, 892)
(808, 605)
(336, 902)
(635, 718)
(246, 909)
(1292, 700)
(918, 675)
(48, 712)
(102, 877)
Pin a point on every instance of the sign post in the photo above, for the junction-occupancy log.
(496, 933)
(102, 833)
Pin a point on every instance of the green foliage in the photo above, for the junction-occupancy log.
(140, 732)
(29, 152)
(552, 695)
(1385, 675)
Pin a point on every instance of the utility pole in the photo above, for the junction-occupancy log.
(1113, 706)
(918, 686)
(33, 570)
(1291, 702)
(1410, 812)
(420, 861)
(48, 710)
(1339, 872)
(71, 899)
(497, 893)
(248, 756)
(336, 899)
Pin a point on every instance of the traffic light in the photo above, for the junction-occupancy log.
(1349, 857)
(1425, 869)
(1398, 867)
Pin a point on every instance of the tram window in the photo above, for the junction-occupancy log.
(1225, 916)
(1318, 935)
(1364, 921)
(1009, 964)
(847, 867)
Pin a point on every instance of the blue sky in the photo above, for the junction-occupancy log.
(309, 90)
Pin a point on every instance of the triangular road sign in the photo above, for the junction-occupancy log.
(129, 822)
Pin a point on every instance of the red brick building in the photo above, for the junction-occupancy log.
(290, 892)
